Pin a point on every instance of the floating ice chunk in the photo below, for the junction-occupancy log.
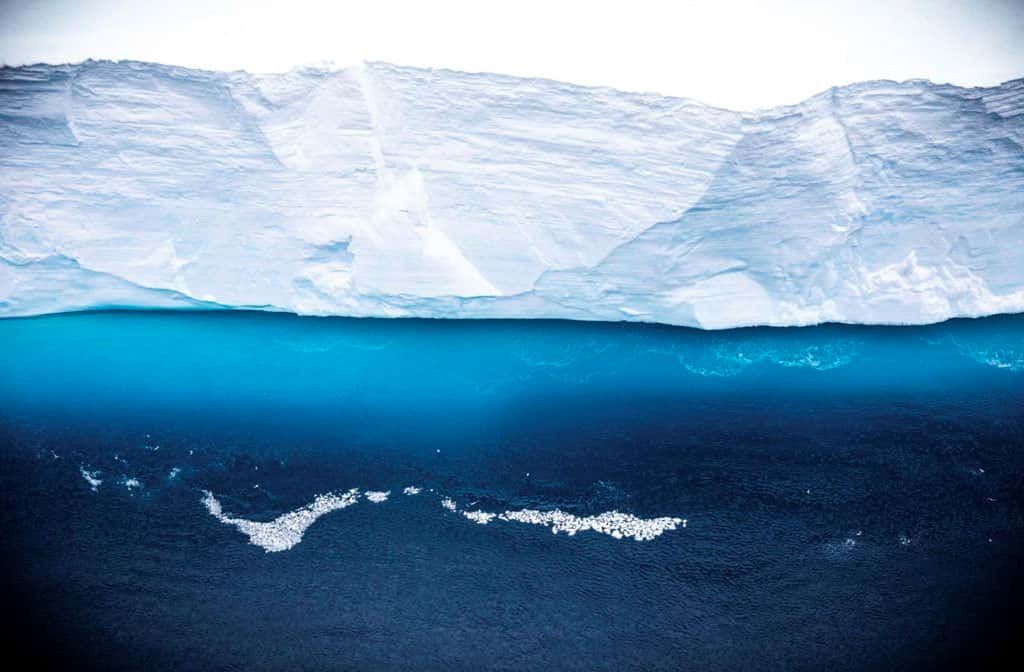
(92, 478)
(411, 490)
(479, 517)
(377, 497)
(612, 523)
(448, 503)
(286, 530)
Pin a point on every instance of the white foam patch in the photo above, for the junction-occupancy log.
(132, 483)
(411, 490)
(479, 517)
(612, 523)
(174, 473)
(286, 530)
(448, 503)
(377, 497)
(92, 478)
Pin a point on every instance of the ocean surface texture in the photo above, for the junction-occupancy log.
(250, 491)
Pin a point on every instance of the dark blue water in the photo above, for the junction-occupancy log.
(854, 496)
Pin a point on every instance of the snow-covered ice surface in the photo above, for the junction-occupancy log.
(391, 191)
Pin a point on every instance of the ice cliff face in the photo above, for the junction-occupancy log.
(394, 191)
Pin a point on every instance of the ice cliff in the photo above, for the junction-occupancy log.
(392, 191)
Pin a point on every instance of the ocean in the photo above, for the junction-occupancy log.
(256, 491)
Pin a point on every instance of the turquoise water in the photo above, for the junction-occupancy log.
(852, 495)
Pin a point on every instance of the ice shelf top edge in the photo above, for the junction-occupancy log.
(381, 190)
(328, 68)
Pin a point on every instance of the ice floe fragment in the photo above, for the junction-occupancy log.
(92, 478)
(479, 517)
(286, 530)
(613, 523)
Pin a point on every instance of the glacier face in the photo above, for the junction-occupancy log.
(389, 191)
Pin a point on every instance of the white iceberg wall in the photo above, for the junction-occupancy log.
(394, 191)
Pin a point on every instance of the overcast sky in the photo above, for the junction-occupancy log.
(740, 55)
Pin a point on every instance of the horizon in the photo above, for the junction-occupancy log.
(698, 52)
(325, 66)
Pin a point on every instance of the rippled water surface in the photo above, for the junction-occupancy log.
(256, 491)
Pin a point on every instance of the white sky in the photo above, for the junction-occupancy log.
(739, 54)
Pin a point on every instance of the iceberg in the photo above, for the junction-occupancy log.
(391, 191)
